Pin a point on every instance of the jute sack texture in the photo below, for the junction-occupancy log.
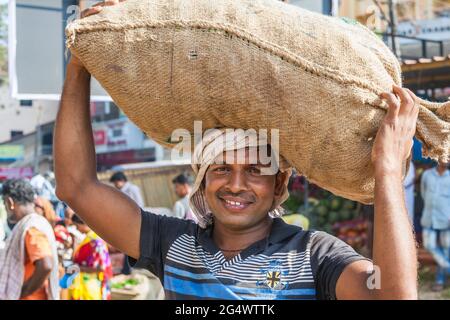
(255, 64)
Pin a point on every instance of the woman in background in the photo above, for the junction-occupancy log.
(92, 257)
(45, 208)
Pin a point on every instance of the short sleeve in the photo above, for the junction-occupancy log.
(178, 210)
(329, 257)
(138, 196)
(157, 234)
(37, 245)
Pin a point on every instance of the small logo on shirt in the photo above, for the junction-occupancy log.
(273, 276)
(273, 279)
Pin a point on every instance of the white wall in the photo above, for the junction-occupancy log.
(15, 117)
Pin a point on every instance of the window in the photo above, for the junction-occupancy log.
(106, 111)
(47, 139)
(117, 133)
(26, 103)
(47, 142)
(16, 133)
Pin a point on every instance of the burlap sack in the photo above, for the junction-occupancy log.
(255, 64)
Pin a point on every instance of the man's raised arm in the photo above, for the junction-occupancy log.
(111, 214)
(394, 247)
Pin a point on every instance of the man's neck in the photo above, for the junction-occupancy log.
(441, 171)
(229, 239)
(24, 210)
(184, 196)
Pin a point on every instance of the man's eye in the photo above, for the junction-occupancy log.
(221, 169)
(254, 170)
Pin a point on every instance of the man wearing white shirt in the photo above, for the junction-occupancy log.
(181, 208)
(120, 181)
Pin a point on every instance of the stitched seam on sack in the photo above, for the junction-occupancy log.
(265, 46)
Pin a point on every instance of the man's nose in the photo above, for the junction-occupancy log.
(237, 182)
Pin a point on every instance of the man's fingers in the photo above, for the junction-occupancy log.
(105, 3)
(91, 11)
(393, 105)
(406, 101)
(96, 8)
(403, 94)
(413, 96)
(98, 4)
(112, 2)
(416, 108)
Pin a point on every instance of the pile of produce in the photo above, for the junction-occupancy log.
(353, 232)
(327, 212)
(124, 283)
(324, 213)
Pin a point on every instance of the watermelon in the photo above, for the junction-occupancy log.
(335, 204)
(321, 210)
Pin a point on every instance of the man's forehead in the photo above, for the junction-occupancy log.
(260, 156)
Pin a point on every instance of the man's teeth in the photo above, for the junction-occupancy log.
(233, 203)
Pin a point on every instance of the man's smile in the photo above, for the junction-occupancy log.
(235, 204)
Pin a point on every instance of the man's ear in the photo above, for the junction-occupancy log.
(10, 203)
(279, 183)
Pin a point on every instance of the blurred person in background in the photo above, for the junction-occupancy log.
(3, 225)
(44, 207)
(77, 236)
(181, 209)
(68, 214)
(120, 181)
(64, 243)
(29, 262)
(43, 187)
(64, 246)
(92, 257)
(435, 192)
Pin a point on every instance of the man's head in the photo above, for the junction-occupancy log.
(44, 208)
(118, 179)
(18, 196)
(181, 184)
(68, 214)
(237, 191)
(80, 224)
(238, 195)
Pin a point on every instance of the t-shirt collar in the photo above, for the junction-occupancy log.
(446, 172)
(279, 232)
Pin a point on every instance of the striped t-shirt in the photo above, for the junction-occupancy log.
(289, 264)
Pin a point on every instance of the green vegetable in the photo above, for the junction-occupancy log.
(345, 215)
(321, 210)
(333, 217)
(348, 205)
(335, 204)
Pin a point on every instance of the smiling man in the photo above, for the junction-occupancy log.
(241, 249)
